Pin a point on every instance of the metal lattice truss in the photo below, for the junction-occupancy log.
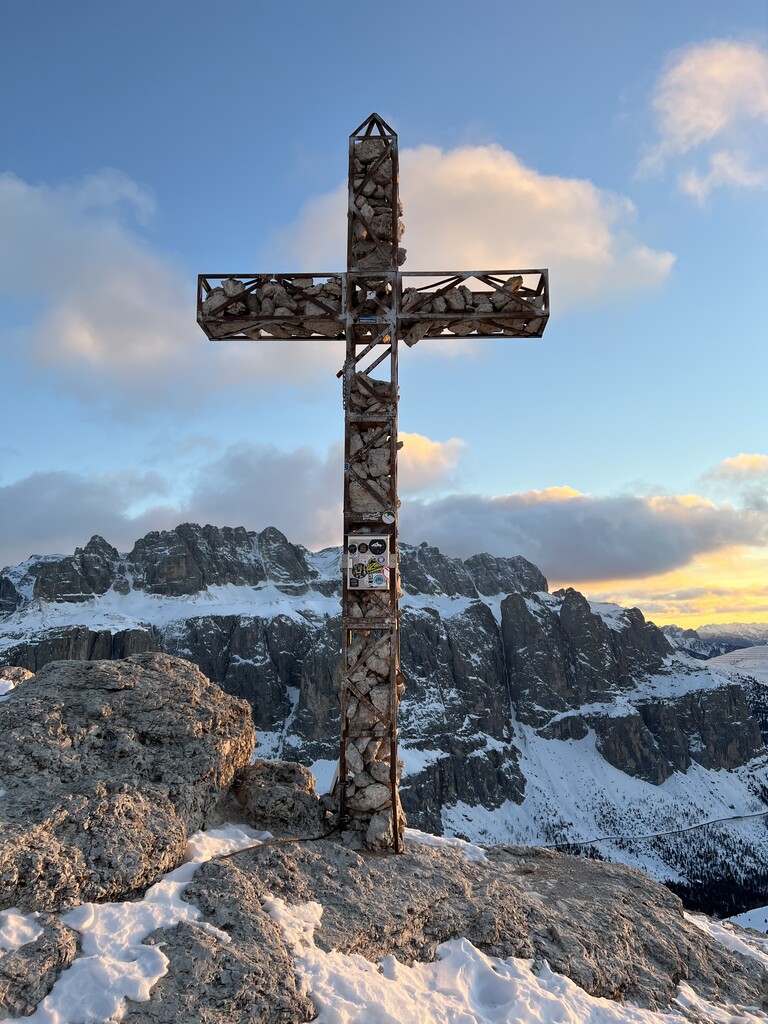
(372, 307)
(463, 304)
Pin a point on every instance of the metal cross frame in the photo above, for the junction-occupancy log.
(372, 306)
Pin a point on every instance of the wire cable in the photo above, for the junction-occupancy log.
(651, 835)
(278, 842)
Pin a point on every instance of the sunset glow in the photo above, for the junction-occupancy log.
(623, 452)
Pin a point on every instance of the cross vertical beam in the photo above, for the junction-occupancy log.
(372, 307)
(370, 677)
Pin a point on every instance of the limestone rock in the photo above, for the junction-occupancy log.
(280, 797)
(215, 298)
(370, 798)
(514, 575)
(10, 598)
(563, 656)
(106, 767)
(715, 729)
(250, 979)
(14, 674)
(232, 287)
(190, 558)
(79, 643)
(553, 654)
(609, 928)
(28, 973)
(91, 570)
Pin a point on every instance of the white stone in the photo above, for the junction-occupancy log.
(378, 770)
(377, 462)
(354, 759)
(380, 697)
(214, 298)
(371, 798)
(378, 836)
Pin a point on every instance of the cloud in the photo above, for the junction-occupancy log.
(716, 586)
(480, 207)
(724, 169)
(741, 467)
(118, 328)
(245, 484)
(55, 512)
(573, 536)
(711, 95)
(260, 485)
(743, 477)
(424, 464)
(117, 325)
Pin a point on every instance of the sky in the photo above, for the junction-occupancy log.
(622, 146)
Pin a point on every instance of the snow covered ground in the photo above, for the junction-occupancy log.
(757, 919)
(573, 793)
(751, 661)
(462, 986)
(138, 609)
(114, 964)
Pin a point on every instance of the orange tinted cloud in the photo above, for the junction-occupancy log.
(709, 103)
(741, 467)
(722, 586)
(481, 206)
(424, 463)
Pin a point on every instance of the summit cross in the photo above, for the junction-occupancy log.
(371, 307)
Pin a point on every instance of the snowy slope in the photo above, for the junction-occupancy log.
(750, 661)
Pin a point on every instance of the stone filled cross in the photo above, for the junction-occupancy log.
(371, 307)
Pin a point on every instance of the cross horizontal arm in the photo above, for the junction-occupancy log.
(462, 304)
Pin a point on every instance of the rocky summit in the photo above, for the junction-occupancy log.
(104, 760)
(527, 716)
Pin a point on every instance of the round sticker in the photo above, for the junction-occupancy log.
(363, 548)
(378, 547)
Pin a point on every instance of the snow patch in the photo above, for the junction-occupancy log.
(461, 986)
(611, 614)
(114, 964)
(17, 929)
(468, 850)
(756, 918)
(722, 932)
(752, 661)
(139, 610)
(324, 771)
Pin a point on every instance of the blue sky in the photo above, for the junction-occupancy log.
(622, 146)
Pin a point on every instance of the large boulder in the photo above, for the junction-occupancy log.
(106, 767)
(280, 796)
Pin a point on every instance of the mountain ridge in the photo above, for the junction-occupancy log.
(528, 716)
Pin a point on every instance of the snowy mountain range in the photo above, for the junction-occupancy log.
(529, 717)
(719, 638)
